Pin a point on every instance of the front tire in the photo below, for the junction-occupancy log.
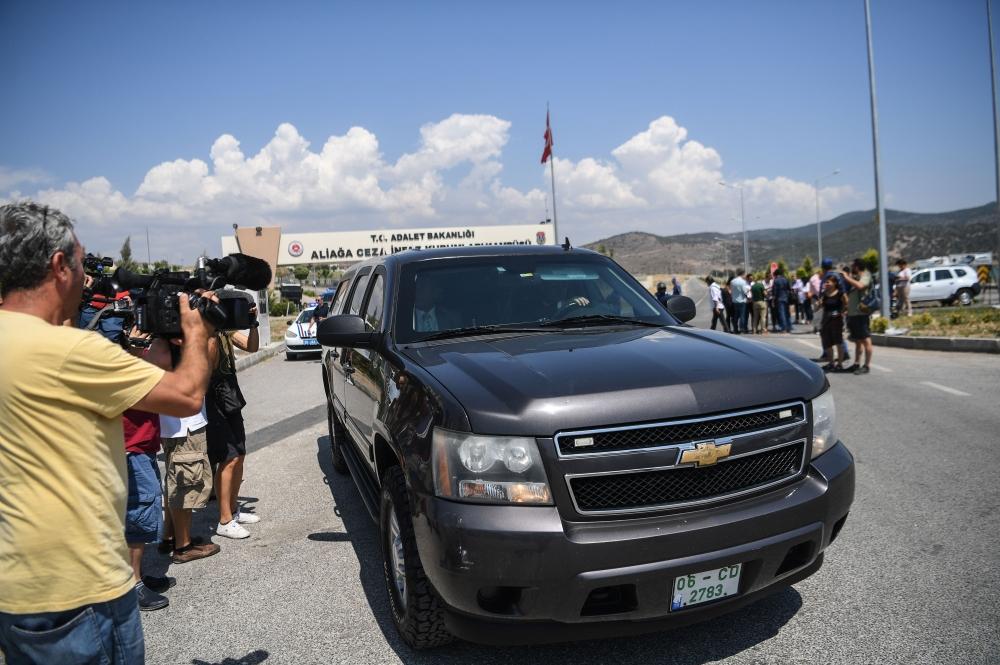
(338, 437)
(416, 609)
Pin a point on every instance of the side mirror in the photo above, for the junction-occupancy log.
(289, 322)
(346, 330)
(681, 308)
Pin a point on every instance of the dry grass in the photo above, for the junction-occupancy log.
(278, 326)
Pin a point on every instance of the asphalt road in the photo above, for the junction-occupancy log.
(912, 579)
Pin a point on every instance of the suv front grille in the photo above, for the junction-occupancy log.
(638, 437)
(646, 490)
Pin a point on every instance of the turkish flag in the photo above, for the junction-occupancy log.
(547, 152)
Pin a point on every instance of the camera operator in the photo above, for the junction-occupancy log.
(66, 584)
(227, 447)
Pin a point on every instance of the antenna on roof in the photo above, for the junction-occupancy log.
(566, 246)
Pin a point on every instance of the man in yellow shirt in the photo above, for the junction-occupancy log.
(66, 586)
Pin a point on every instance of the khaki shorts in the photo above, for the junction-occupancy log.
(188, 480)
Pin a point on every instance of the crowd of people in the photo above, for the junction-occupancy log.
(828, 301)
(82, 422)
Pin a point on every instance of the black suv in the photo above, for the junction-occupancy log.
(551, 454)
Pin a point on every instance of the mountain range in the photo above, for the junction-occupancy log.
(910, 235)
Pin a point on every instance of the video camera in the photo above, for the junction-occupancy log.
(156, 297)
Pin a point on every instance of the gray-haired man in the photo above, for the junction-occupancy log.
(66, 584)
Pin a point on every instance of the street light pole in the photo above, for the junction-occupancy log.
(883, 257)
(743, 218)
(743, 222)
(996, 130)
(819, 228)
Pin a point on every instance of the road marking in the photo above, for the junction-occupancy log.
(879, 367)
(945, 389)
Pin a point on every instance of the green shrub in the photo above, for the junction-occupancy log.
(880, 325)
(922, 320)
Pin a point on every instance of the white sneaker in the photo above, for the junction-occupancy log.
(232, 530)
(246, 518)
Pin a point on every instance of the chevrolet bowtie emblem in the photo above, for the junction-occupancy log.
(706, 454)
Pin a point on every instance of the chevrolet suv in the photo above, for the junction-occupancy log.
(549, 453)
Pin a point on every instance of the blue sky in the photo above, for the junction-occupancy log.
(776, 91)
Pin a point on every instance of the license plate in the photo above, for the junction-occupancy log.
(309, 341)
(708, 585)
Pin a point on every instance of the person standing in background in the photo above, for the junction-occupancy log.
(815, 288)
(758, 297)
(782, 292)
(677, 286)
(727, 305)
(739, 294)
(797, 299)
(903, 277)
(661, 294)
(858, 320)
(718, 308)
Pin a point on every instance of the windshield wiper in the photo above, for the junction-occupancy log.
(478, 330)
(600, 319)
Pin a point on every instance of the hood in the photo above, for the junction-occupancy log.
(539, 384)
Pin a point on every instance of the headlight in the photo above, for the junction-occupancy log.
(824, 423)
(488, 469)
(291, 333)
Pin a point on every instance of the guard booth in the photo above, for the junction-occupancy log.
(291, 292)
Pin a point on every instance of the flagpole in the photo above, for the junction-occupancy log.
(552, 172)
(555, 219)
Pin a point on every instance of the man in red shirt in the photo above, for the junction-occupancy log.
(144, 510)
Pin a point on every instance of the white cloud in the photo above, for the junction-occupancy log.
(10, 178)
(657, 180)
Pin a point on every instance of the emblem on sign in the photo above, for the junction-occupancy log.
(705, 454)
(295, 248)
(540, 237)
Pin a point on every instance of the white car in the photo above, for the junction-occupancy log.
(947, 284)
(298, 339)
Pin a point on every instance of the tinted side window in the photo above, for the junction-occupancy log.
(338, 300)
(960, 272)
(359, 293)
(942, 274)
(373, 312)
(922, 277)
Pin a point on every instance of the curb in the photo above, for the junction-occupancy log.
(961, 344)
(260, 356)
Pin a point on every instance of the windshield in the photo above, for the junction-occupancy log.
(304, 316)
(517, 291)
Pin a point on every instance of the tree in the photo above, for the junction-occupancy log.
(870, 259)
(301, 273)
(807, 265)
(162, 264)
(125, 256)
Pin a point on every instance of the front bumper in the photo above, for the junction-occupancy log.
(547, 579)
(298, 347)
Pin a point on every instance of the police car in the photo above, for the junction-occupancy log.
(298, 338)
